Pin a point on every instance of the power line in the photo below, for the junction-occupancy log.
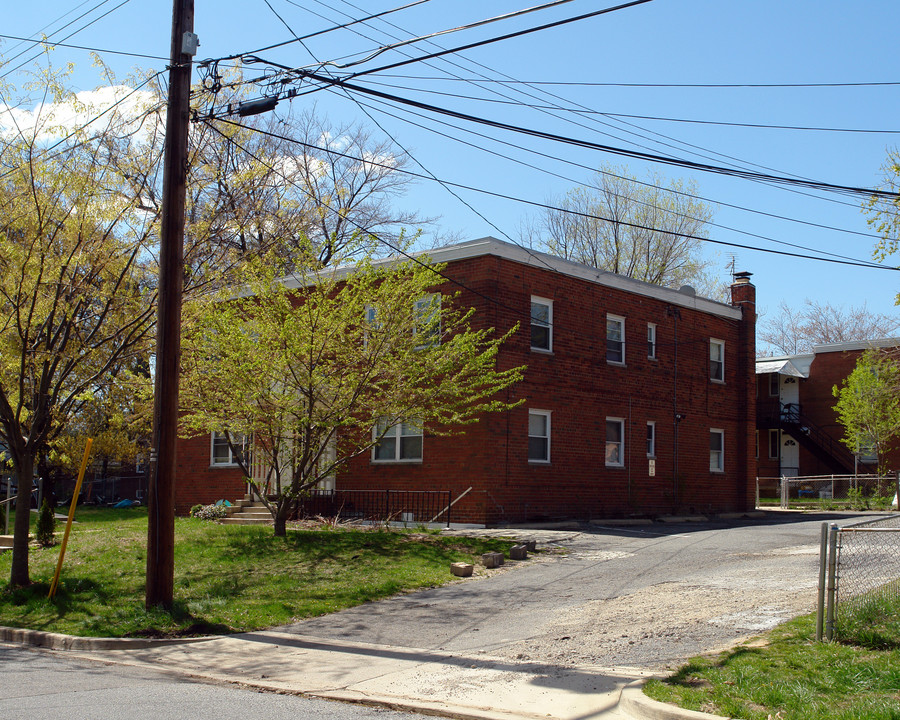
(469, 26)
(634, 117)
(104, 51)
(746, 174)
(72, 34)
(681, 193)
(45, 153)
(655, 85)
(508, 36)
(312, 34)
(552, 114)
(841, 260)
(408, 154)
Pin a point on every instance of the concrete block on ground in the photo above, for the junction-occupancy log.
(518, 552)
(492, 559)
(530, 545)
(462, 569)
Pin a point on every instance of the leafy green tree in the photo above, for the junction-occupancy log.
(317, 367)
(884, 213)
(868, 405)
(650, 231)
(77, 297)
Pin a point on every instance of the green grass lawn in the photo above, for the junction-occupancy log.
(788, 675)
(228, 578)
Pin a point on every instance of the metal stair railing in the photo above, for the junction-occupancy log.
(792, 415)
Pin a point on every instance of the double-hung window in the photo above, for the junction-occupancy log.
(538, 436)
(397, 443)
(221, 454)
(615, 339)
(716, 450)
(717, 360)
(651, 341)
(615, 442)
(541, 324)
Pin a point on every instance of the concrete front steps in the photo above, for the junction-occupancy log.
(248, 512)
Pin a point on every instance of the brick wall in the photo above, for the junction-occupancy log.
(200, 483)
(580, 389)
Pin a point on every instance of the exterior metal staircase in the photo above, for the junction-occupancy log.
(814, 439)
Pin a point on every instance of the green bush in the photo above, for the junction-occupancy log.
(46, 526)
(210, 512)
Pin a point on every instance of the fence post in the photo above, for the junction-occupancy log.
(820, 602)
(784, 493)
(832, 578)
(896, 491)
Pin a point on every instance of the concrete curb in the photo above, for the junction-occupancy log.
(58, 641)
(635, 704)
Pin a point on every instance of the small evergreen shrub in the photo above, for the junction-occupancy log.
(46, 525)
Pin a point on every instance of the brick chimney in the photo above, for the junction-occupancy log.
(743, 296)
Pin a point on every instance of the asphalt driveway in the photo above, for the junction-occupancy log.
(641, 596)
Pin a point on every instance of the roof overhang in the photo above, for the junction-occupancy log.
(782, 366)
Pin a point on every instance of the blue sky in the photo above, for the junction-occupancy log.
(663, 42)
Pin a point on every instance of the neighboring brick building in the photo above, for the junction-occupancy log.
(797, 428)
(612, 362)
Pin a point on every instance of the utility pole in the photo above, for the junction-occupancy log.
(161, 492)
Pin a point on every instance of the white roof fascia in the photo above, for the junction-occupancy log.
(857, 345)
(533, 258)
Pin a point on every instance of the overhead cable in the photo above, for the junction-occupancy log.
(838, 259)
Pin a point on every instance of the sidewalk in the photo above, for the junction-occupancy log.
(470, 686)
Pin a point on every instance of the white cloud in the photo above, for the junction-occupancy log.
(52, 121)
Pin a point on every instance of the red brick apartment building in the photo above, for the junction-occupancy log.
(798, 432)
(638, 401)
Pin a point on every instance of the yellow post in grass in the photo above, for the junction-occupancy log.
(62, 549)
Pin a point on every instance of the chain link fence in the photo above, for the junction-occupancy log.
(859, 569)
(861, 492)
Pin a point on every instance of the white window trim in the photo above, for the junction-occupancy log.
(212, 448)
(651, 341)
(621, 443)
(548, 436)
(721, 344)
(397, 460)
(549, 326)
(619, 319)
(721, 466)
(651, 426)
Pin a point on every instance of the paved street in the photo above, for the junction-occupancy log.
(559, 636)
(36, 685)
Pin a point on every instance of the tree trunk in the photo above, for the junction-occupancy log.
(281, 522)
(25, 473)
